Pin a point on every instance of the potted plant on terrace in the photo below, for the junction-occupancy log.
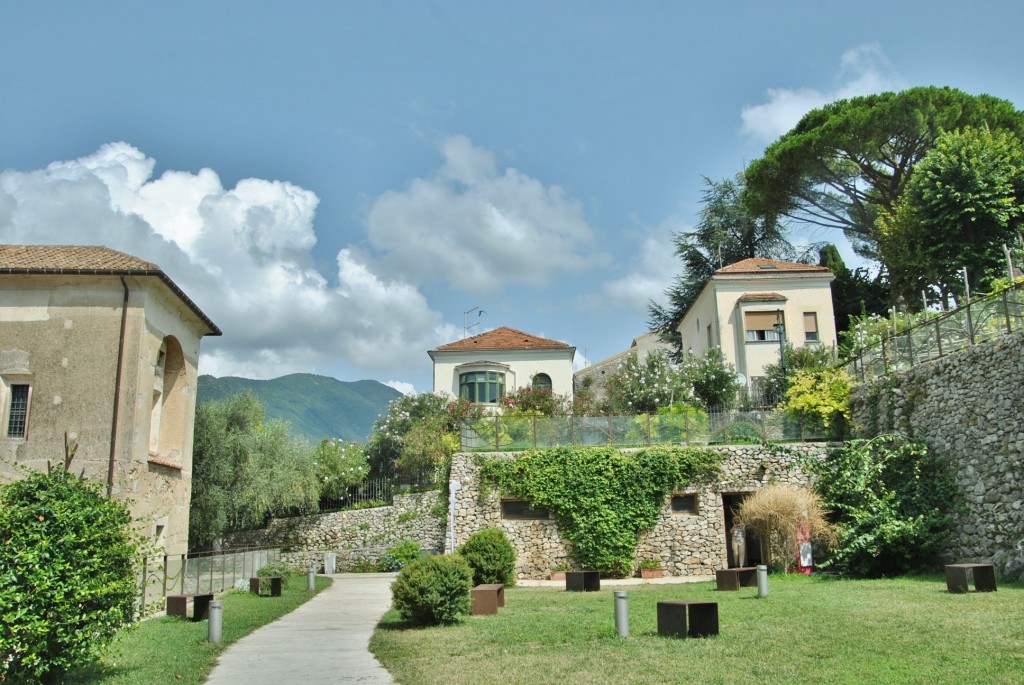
(651, 568)
(558, 571)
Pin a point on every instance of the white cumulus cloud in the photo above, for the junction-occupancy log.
(243, 254)
(863, 70)
(478, 228)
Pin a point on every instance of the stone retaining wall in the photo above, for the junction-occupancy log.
(361, 535)
(969, 408)
(686, 544)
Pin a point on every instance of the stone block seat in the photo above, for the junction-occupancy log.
(735, 578)
(177, 605)
(487, 598)
(957, 577)
(274, 582)
(687, 619)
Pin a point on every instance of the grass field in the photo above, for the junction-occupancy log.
(169, 650)
(808, 630)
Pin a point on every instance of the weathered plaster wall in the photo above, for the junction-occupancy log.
(687, 545)
(359, 535)
(969, 408)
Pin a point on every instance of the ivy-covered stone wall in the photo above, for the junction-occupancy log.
(686, 544)
(361, 535)
(969, 408)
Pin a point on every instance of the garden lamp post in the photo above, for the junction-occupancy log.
(780, 330)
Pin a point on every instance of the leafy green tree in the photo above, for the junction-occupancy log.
(244, 471)
(854, 293)
(726, 233)
(394, 445)
(894, 504)
(846, 161)
(963, 203)
(821, 397)
(67, 581)
(712, 380)
(809, 358)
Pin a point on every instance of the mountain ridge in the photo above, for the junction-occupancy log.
(316, 406)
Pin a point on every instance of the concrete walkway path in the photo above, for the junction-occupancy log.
(325, 640)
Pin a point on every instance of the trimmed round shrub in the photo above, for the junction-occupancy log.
(67, 582)
(277, 568)
(399, 556)
(433, 590)
(491, 556)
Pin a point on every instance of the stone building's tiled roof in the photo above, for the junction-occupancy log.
(503, 338)
(763, 266)
(87, 260)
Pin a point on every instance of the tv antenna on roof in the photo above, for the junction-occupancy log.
(465, 315)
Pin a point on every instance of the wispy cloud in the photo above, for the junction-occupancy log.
(862, 70)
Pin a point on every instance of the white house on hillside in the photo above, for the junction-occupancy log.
(746, 305)
(489, 365)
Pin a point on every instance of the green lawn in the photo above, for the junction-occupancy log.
(808, 630)
(169, 650)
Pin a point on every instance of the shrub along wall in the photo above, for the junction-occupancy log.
(969, 408)
(355, 536)
(686, 544)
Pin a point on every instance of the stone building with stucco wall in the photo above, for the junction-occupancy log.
(101, 348)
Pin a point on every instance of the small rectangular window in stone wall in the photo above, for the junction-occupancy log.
(684, 504)
(520, 510)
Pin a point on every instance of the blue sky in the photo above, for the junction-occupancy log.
(336, 183)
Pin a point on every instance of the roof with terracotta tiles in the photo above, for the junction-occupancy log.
(768, 266)
(503, 338)
(87, 260)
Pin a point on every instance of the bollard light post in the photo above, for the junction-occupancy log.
(622, 613)
(762, 580)
(311, 578)
(216, 621)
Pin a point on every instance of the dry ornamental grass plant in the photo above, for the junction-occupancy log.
(776, 513)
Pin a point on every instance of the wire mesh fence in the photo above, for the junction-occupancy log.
(196, 573)
(691, 427)
(978, 321)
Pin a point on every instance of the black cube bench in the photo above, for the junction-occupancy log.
(256, 586)
(687, 619)
(582, 581)
(487, 597)
(735, 578)
(957, 577)
(177, 605)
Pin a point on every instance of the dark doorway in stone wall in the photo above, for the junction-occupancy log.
(748, 546)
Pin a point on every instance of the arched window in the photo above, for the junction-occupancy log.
(541, 381)
(167, 417)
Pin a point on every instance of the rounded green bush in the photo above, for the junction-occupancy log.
(399, 556)
(433, 590)
(491, 556)
(67, 582)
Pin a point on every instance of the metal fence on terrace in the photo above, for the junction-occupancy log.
(498, 433)
(196, 573)
(978, 321)
(375, 492)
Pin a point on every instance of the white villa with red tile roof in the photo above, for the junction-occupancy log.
(740, 307)
(498, 362)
